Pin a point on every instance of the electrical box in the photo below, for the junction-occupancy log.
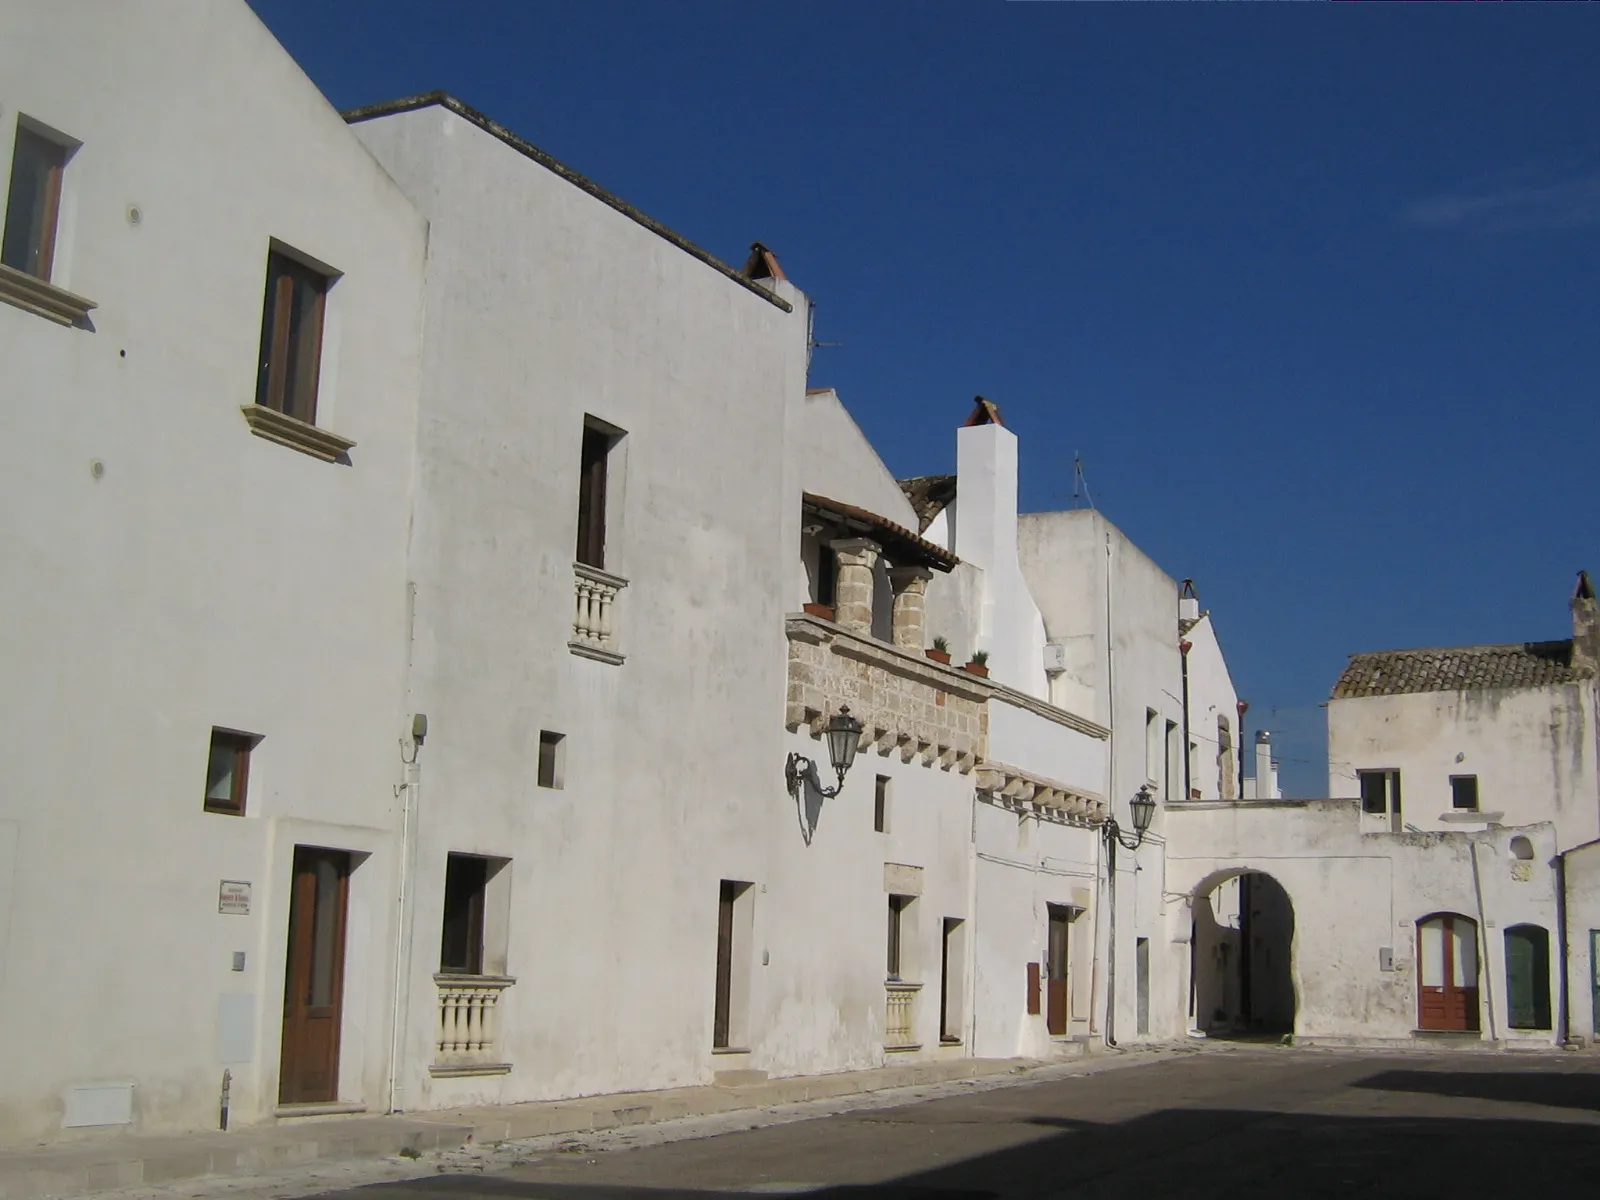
(1055, 658)
(1385, 958)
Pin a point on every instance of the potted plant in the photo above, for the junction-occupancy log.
(940, 652)
(825, 611)
(978, 664)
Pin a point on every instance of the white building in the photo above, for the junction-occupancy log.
(1447, 891)
(428, 499)
(207, 499)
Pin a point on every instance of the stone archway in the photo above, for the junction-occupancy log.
(1241, 955)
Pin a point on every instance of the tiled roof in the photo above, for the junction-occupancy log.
(930, 495)
(1458, 668)
(903, 546)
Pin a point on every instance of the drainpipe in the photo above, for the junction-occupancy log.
(1563, 1015)
(408, 792)
(1243, 707)
(1111, 958)
(1483, 950)
(1188, 786)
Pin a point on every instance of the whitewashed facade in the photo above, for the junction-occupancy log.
(179, 561)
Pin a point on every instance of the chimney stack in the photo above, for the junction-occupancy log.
(1585, 626)
(1188, 602)
(1265, 788)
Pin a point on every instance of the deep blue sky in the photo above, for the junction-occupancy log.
(1312, 289)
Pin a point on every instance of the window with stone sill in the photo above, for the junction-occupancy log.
(289, 363)
(29, 236)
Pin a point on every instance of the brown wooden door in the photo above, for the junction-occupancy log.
(313, 988)
(1055, 998)
(1447, 973)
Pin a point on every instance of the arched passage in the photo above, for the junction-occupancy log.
(1241, 948)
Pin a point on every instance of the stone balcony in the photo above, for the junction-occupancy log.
(906, 702)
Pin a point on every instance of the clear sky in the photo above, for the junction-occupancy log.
(1313, 290)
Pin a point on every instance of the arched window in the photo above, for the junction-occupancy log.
(1528, 977)
(1447, 972)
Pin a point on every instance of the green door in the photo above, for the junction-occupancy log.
(1528, 977)
(1594, 977)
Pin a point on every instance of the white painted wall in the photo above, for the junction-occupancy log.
(1532, 749)
(1355, 893)
(206, 577)
(674, 759)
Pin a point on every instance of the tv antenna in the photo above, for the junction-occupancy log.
(1080, 484)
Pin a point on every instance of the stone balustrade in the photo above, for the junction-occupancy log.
(900, 1012)
(467, 1040)
(594, 626)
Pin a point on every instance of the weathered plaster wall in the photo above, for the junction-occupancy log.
(1532, 750)
(1211, 696)
(204, 576)
(1354, 894)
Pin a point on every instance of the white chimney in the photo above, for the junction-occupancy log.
(1266, 784)
(1188, 602)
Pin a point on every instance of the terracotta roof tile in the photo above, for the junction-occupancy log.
(901, 545)
(1458, 668)
(930, 495)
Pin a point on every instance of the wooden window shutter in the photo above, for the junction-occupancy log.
(1033, 989)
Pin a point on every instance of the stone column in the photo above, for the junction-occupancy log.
(910, 586)
(852, 589)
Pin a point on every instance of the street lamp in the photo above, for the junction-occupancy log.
(843, 733)
(1143, 809)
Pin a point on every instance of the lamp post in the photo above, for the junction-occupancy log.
(1142, 808)
(843, 733)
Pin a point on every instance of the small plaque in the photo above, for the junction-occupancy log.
(233, 896)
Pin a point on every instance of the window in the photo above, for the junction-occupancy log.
(552, 759)
(1380, 795)
(475, 930)
(1152, 745)
(880, 805)
(952, 993)
(228, 771)
(291, 338)
(1464, 792)
(897, 959)
(33, 202)
(735, 919)
(598, 440)
(466, 877)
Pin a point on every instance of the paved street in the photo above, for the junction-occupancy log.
(1250, 1123)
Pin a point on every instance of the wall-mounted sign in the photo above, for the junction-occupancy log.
(233, 896)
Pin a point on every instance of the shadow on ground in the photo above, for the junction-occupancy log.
(1552, 1089)
(1232, 1153)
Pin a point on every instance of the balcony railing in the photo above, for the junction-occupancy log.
(467, 1040)
(899, 1026)
(594, 630)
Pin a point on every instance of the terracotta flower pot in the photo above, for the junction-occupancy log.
(939, 656)
(981, 670)
(825, 611)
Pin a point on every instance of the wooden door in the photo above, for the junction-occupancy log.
(1447, 973)
(1055, 996)
(313, 987)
